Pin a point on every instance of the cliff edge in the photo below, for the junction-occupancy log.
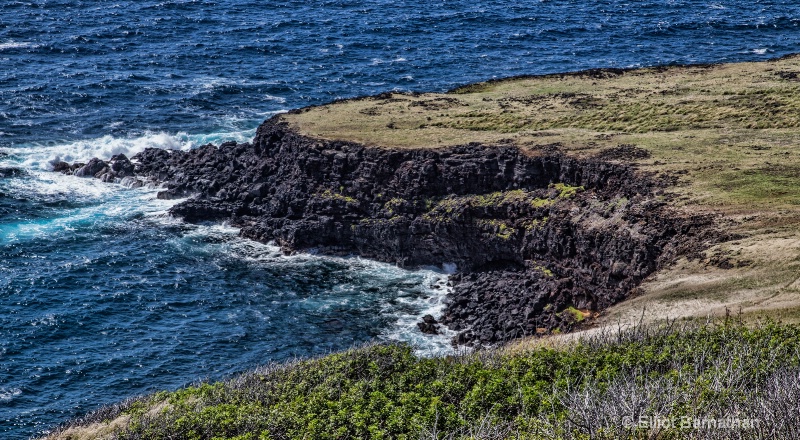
(555, 197)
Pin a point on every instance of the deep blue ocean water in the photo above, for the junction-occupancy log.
(103, 296)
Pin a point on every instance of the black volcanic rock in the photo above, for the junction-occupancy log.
(6, 172)
(121, 166)
(91, 169)
(429, 325)
(535, 237)
(61, 167)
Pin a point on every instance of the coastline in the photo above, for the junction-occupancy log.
(548, 237)
(542, 243)
(550, 218)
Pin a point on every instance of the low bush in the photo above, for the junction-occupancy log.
(719, 380)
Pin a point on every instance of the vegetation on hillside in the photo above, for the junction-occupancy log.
(612, 385)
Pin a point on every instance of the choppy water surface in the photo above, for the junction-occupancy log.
(103, 296)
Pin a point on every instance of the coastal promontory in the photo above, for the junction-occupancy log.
(561, 202)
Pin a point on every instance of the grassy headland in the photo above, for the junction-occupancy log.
(727, 134)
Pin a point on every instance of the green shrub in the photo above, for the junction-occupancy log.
(385, 391)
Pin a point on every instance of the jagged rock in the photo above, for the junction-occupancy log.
(131, 182)
(428, 325)
(61, 167)
(529, 252)
(91, 169)
(121, 166)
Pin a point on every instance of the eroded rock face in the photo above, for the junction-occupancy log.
(540, 242)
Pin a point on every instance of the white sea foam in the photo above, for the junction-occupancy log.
(207, 84)
(7, 395)
(48, 320)
(49, 186)
(219, 137)
(277, 99)
(377, 61)
(114, 203)
(105, 202)
(40, 156)
(15, 45)
(433, 303)
(406, 309)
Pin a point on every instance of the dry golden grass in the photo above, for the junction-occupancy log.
(766, 285)
(579, 109)
(107, 429)
(730, 132)
(94, 431)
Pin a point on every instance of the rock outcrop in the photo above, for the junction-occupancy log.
(541, 241)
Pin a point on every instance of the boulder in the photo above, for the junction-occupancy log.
(61, 167)
(428, 325)
(121, 166)
(91, 169)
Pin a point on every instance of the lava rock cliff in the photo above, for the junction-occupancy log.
(541, 240)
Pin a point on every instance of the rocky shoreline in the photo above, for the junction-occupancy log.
(541, 241)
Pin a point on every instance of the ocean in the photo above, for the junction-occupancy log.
(104, 296)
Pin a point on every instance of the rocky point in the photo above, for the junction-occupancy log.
(542, 241)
